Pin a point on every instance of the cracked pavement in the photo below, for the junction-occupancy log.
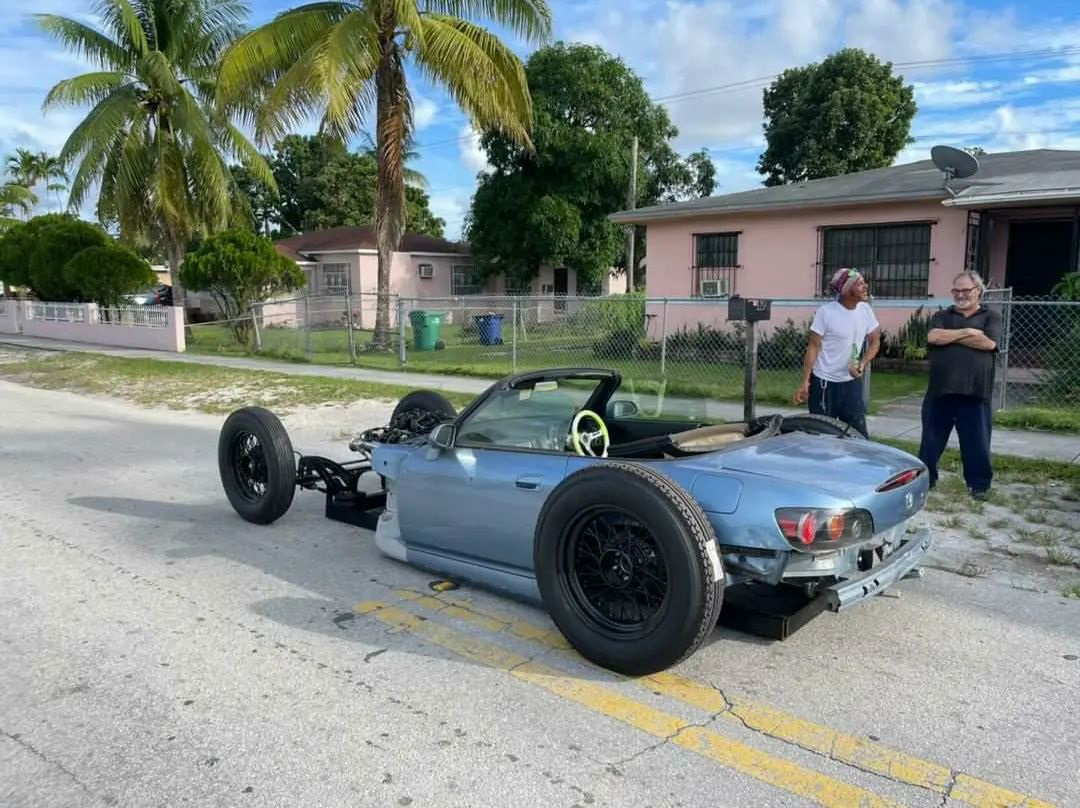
(157, 650)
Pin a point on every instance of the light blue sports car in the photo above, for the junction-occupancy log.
(631, 529)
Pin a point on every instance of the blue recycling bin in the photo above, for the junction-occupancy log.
(489, 328)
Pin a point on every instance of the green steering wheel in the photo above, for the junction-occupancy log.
(583, 441)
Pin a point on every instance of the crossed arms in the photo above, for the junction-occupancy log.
(971, 337)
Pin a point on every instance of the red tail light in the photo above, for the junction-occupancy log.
(900, 480)
(806, 526)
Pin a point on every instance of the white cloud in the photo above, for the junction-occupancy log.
(452, 208)
(955, 94)
(900, 31)
(474, 157)
(425, 111)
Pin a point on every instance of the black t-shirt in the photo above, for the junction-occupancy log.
(957, 369)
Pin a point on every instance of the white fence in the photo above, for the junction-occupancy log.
(152, 327)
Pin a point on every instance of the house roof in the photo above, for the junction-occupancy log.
(361, 237)
(1052, 173)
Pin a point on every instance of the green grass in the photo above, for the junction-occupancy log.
(1072, 591)
(181, 385)
(547, 347)
(1040, 418)
(999, 524)
(1060, 556)
(1007, 468)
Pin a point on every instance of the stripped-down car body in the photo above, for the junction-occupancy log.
(632, 532)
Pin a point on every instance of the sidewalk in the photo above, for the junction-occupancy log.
(1061, 447)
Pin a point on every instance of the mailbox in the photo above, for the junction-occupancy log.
(748, 310)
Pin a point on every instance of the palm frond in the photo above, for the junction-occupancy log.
(85, 41)
(528, 18)
(88, 88)
(344, 63)
(245, 151)
(126, 25)
(259, 58)
(481, 73)
(93, 136)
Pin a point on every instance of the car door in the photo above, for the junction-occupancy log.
(476, 505)
(478, 501)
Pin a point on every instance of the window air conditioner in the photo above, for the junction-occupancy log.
(427, 271)
(714, 288)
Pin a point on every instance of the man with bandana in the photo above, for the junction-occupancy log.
(834, 363)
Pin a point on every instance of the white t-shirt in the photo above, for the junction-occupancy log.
(842, 333)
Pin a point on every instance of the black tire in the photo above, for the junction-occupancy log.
(259, 477)
(428, 401)
(678, 543)
(813, 424)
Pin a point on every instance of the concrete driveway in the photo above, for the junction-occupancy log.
(156, 650)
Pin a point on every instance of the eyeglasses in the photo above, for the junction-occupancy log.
(967, 291)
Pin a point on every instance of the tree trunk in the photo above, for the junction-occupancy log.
(176, 256)
(390, 116)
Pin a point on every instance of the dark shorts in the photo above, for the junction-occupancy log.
(843, 400)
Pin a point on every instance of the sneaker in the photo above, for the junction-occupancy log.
(981, 496)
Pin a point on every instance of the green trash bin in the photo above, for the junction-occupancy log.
(425, 326)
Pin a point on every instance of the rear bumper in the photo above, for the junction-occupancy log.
(898, 564)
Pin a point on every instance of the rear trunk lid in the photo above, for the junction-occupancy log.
(856, 470)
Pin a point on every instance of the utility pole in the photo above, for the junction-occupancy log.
(631, 204)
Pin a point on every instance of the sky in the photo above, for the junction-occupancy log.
(999, 75)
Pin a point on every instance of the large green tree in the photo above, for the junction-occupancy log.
(153, 139)
(342, 59)
(552, 205)
(847, 113)
(321, 184)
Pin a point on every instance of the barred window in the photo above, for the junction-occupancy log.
(462, 282)
(335, 279)
(894, 258)
(716, 250)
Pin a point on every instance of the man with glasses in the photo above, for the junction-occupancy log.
(963, 342)
(834, 362)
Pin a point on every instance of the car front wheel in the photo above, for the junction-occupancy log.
(256, 464)
(627, 565)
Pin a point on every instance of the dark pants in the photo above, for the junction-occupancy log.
(972, 418)
(843, 400)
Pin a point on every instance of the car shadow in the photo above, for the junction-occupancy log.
(154, 510)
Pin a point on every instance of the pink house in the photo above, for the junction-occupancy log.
(1017, 221)
(346, 258)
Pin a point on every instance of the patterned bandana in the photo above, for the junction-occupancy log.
(843, 280)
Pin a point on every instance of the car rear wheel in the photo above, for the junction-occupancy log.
(426, 401)
(627, 566)
(256, 464)
(813, 424)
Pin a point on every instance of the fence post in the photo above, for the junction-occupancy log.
(663, 340)
(513, 337)
(307, 326)
(401, 330)
(255, 325)
(750, 384)
(348, 328)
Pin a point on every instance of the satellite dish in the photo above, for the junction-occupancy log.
(955, 163)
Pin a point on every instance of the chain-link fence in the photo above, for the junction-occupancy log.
(685, 347)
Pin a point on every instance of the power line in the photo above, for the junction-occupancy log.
(747, 84)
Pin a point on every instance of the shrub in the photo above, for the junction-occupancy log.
(785, 347)
(56, 244)
(238, 269)
(106, 274)
(910, 341)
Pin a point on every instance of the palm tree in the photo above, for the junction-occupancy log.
(409, 153)
(51, 169)
(14, 196)
(154, 139)
(24, 167)
(341, 58)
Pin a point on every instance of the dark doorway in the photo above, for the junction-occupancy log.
(561, 283)
(1038, 256)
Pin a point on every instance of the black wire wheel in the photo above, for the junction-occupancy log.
(616, 570)
(256, 465)
(626, 563)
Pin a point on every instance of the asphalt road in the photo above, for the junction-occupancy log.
(155, 650)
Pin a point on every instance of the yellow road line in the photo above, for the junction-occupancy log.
(866, 755)
(806, 783)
